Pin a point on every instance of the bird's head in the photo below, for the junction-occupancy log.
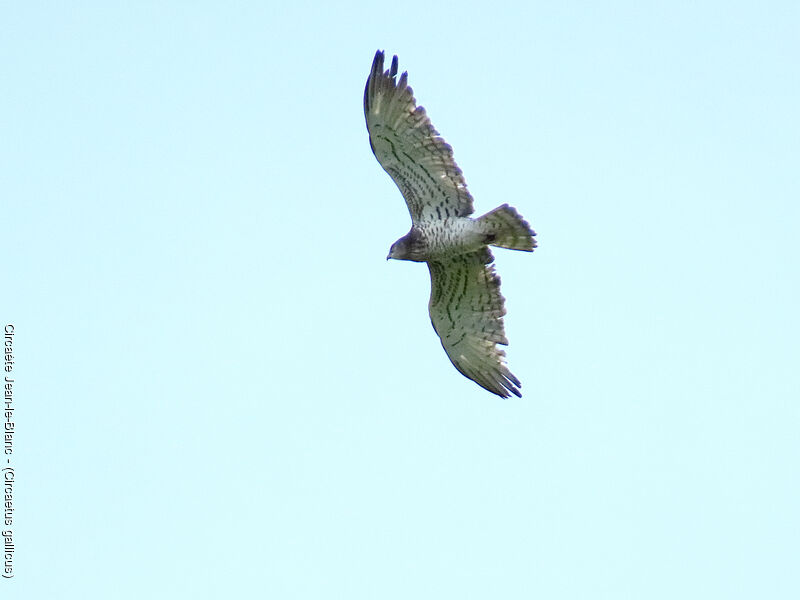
(395, 251)
(409, 247)
(400, 250)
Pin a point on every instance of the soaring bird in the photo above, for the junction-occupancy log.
(466, 307)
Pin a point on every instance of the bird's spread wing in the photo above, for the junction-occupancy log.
(410, 149)
(467, 310)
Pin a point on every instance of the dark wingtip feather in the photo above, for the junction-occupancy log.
(377, 62)
(403, 80)
(375, 72)
(513, 385)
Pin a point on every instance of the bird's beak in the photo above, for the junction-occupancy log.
(388, 257)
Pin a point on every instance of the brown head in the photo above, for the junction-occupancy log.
(408, 247)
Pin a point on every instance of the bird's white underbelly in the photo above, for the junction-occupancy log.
(451, 236)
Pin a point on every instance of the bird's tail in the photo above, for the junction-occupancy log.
(506, 228)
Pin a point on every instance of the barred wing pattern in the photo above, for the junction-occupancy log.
(409, 148)
(466, 310)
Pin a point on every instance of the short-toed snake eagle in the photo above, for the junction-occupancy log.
(466, 307)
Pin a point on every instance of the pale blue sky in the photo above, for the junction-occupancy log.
(224, 390)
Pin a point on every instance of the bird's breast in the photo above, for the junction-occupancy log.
(450, 237)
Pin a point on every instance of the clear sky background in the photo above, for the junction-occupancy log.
(224, 390)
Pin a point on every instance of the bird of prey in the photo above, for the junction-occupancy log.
(466, 307)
